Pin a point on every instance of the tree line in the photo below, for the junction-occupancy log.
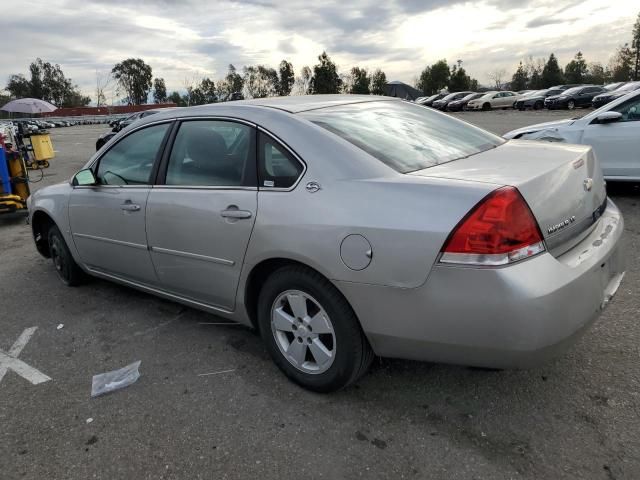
(262, 81)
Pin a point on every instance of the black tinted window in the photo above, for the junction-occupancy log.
(630, 110)
(130, 161)
(404, 136)
(277, 167)
(212, 153)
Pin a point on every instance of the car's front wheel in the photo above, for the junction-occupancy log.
(311, 331)
(66, 267)
(571, 104)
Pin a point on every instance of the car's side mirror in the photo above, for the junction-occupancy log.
(84, 178)
(608, 117)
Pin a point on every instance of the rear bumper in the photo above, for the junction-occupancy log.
(515, 316)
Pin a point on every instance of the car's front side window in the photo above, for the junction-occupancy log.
(630, 110)
(130, 161)
(212, 153)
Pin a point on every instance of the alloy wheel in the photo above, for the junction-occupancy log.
(56, 256)
(303, 332)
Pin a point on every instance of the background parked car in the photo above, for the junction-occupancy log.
(444, 101)
(535, 100)
(461, 104)
(573, 97)
(429, 100)
(613, 131)
(105, 137)
(609, 96)
(492, 100)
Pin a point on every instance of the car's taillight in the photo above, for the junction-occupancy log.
(499, 230)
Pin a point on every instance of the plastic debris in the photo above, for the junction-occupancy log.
(60, 326)
(89, 420)
(115, 380)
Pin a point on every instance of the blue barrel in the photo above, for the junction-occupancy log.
(5, 179)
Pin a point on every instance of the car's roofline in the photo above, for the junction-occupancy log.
(296, 104)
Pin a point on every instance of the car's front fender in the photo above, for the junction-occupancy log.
(53, 201)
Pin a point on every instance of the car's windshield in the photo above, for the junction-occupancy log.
(571, 91)
(402, 135)
(471, 96)
(538, 93)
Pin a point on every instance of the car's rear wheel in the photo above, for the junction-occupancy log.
(571, 104)
(311, 331)
(538, 105)
(66, 267)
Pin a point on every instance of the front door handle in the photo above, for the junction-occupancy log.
(130, 207)
(233, 213)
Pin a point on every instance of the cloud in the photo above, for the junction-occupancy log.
(188, 38)
(543, 21)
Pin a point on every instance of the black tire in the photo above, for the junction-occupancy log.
(353, 354)
(571, 105)
(66, 267)
(486, 107)
(538, 105)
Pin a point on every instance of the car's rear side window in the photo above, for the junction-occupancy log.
(277, 168)
(404, 136)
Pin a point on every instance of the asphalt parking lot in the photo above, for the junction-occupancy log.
(577, 417)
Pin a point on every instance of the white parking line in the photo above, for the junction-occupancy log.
(10, 361)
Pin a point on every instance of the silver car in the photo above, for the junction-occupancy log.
(342, 227)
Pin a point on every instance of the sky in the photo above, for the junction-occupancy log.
(185, 40)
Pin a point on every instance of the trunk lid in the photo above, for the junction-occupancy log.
(562, 184)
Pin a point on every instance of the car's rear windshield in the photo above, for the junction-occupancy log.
(404, 136)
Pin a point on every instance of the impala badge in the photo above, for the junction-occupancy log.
(588, 184)
(559, 226)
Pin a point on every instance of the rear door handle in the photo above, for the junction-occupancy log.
(232, 213)
(130, 207)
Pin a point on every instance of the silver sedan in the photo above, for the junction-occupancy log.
(342, 226)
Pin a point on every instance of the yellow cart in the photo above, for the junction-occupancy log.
(42, 150)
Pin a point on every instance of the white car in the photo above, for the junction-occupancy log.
(613, 131)
(492, 100)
